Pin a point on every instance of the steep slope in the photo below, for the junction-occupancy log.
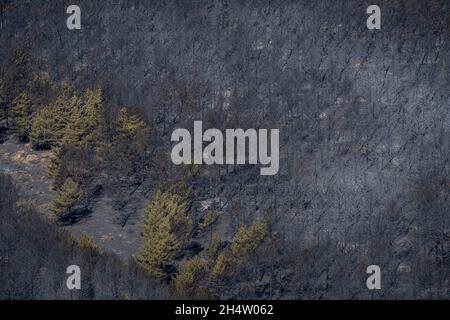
(363, 117)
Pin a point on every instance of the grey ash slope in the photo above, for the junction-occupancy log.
(364, 118)
(104, 221)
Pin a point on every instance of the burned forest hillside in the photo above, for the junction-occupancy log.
(86, 121)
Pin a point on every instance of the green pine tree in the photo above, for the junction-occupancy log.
(81, 134)
(41, 135)
(63, 109)
(130, 145)
(76, 130)
(185, 284)
(98, 137)
(245, 241)
(68, 136)
(94, 106)
(128, 125)
(21, 112)
(69, 195)
(50, 121)
(210, 218)
(166, 230)
(87, 243)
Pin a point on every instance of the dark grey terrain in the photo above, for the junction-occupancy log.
(364, 119)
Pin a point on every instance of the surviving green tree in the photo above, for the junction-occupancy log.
(69, 195)
(50, 121)
(130, 145)
(79, 137)
(21, 111)
(166, 229)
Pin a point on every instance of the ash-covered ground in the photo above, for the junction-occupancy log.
(364, 120)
